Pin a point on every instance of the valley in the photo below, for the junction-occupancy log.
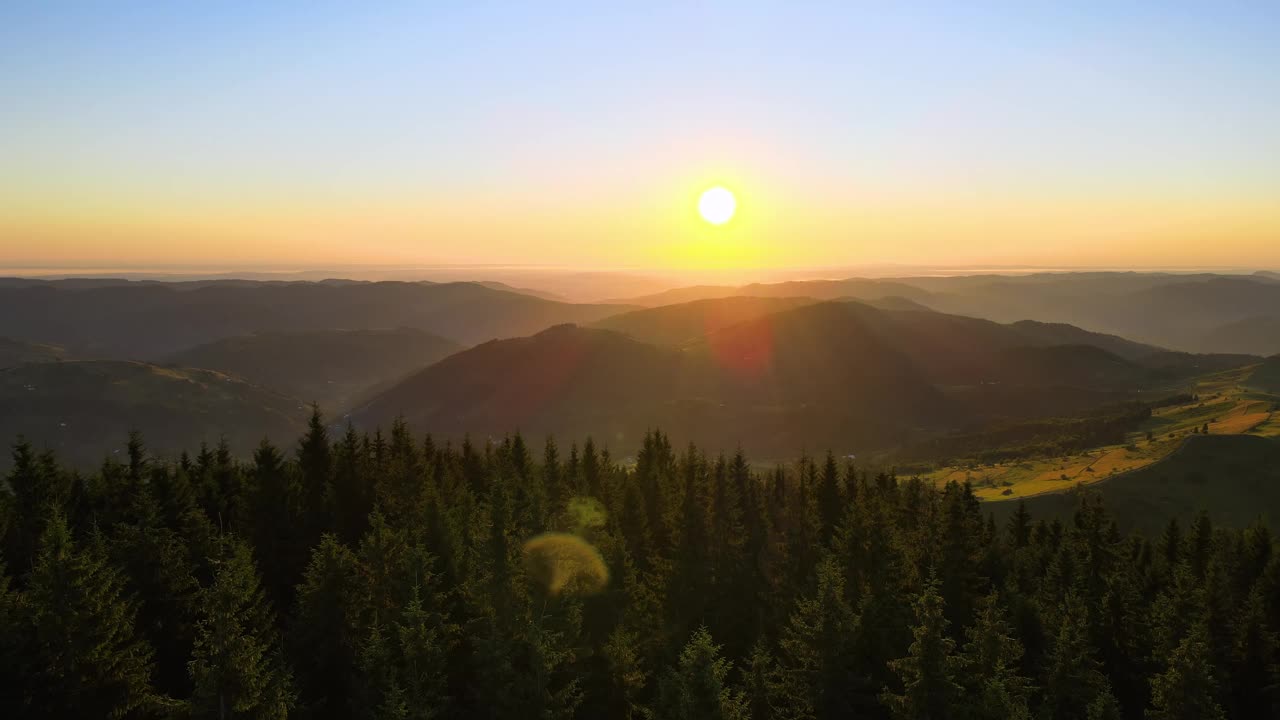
(1223, 404)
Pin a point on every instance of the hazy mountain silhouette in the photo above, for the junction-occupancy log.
(152, 320)
(893, 302)
(853, 288)
(565, 380)
(331, 367)
(1255, 335)
(1180, 311)
(842, 374)
(686, 322)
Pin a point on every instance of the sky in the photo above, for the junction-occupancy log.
(292, 135)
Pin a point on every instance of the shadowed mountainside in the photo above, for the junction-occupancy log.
(686, 322)
(331, 367)
(836, 374)
(19, 352)
(82, 408)
(1235, 478)
(1266, 376)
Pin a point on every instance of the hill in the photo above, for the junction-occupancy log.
(84, 409)
(1235, 478)
(1259, 335)
(1188, 312)
(19, 352)
(838, 374)
(331, 367)
(1266, 376)
(686, 322)
(852, 288)
(1183, 312)
(956, 349)
(894, 302)
(725, 390)
(150, 320)
(565, 380)
(1044, 333)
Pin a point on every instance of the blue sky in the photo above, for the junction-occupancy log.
(601, 108)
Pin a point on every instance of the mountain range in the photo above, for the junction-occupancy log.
(1202, 312)
(773, 375)
(151, 321)
(333, 368)
(854, 364)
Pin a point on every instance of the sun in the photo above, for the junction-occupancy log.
(717, 205)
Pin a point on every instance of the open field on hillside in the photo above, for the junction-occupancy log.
(1222, 404)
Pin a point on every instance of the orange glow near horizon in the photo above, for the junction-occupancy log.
(582, 135)
(773, 227)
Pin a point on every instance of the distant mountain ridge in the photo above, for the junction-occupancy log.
(151, 320)
(839, 374)
(1196, 312)
(331, 367)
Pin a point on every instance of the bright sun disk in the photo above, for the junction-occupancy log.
(717, 205)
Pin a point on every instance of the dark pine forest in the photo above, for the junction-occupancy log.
(389, 575)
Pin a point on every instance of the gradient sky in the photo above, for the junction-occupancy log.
(310, 134)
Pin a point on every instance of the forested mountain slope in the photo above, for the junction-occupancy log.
(332, 576)
(331, 367)
(686, 322)
(83, 409)
(18, 352)
(840, 374)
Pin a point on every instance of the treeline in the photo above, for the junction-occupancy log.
(1047, 437)
(391, 576)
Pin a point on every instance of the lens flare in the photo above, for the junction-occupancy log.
(564, 563)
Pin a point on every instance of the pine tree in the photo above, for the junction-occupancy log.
(1255, 662)
(1185, 690)
(33, 480)
(994, 687)
(159, 570)
(402, 670)
(87, 657)
(1075, 687)
(236, 667)
(13, 658)
(326, 628)
(928, 673)
(960, 546)
(398, 490)
(626, 676)
(553, 477)
(830, 499)
(698, 687)
(757, 679)
(812, 678)
(524, 663)
(350, 498)
(278, 528)
(315, 465)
